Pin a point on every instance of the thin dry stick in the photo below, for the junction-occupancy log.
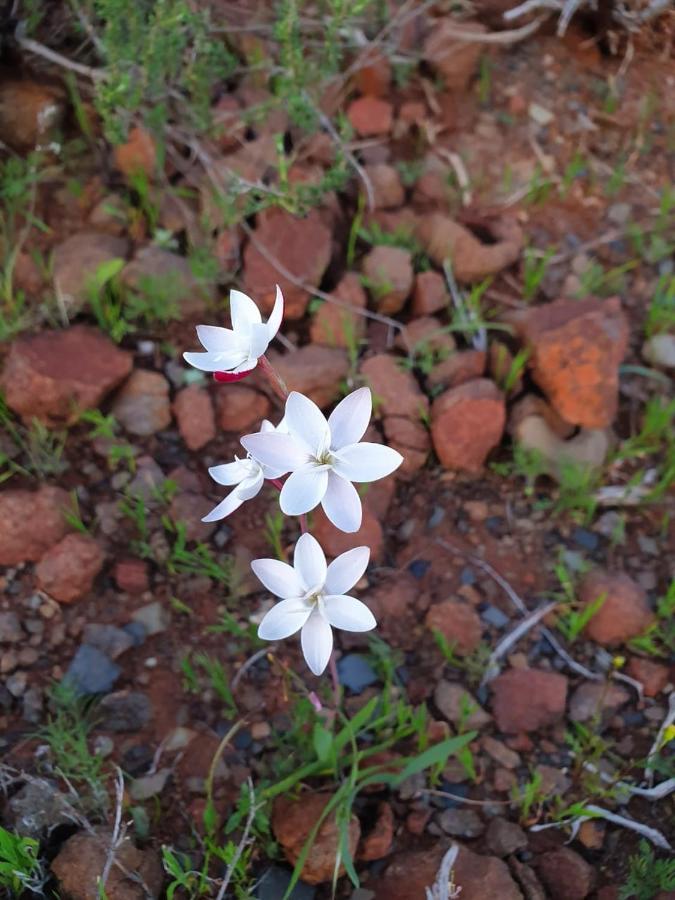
(492, 669)
(251, 661)
(432, 792)
(242, 843)
(656, 746)
(115, 837)
(38, 49)
(356, 165)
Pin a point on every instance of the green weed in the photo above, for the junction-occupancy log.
(20, 866)
(659, 639)
(647, 875)
(535, 266)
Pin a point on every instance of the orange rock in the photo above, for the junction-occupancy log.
(335, 542)
(576, 348)
(528, 699)
(194, 413)
(467, 423)
(459, 624)
(378, 842)
(241, 408)
(652, 675)
(318, 372)
(412, 441)
(455, 59)
(28, 112)
(386, 183)
(67, 571)
(31, 522)
(458, 369)
(430, 294)
(293, 818)
(390, 277)
(138, 154)
(471, 260)
(395, 390)
(374, 74)
(370, 116)
(336, 326)
(624, 613)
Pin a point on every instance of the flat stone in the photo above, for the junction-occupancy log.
(154, 617)
(504, 837)
(142, 406)
(77, 261)
(459, 623)
(464, 823)
(91, 672)
(109, 639)
(528, 699)
(457, 705)
(355, 672)
(37, 806)
(67, 570)
(11, 631)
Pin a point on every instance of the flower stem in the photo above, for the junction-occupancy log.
(274, 378)
(303, 523)
(332, 667)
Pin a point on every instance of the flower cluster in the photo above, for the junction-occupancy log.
(319, 461)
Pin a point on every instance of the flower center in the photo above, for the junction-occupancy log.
(325, 458)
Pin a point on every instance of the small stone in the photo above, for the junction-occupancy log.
(241, 408)
(528, 699)
(124, 711)
(168, 275)
(659, 350)
(188, 509)
(68, 570)
(472, 259)
(154, 617)
(337, 326)
(467, 422)
(303, 244)
(540, 115)
(430, 294)
(54, 375)
(553, 782)
(317, 372)
(595, 700)
(91, 672)
(355, 673)
(504, 837)
(29, 111)
(592, 834)
(501, 753)
(147, 786)
(370, 116)
(397, 390)
(387, 187)
(131, 576)
(459, 624)
(335, 542)
(77, 261)
(293, 818)
(566, 874)
(457, 705)
(464, 823)
(455, 60)
(378, 842)
(39, 805)
(109, 639)
(652, 676)
(17, 683)
(195, 417)
(31, 522)
(374, 73)
(624, 612)
(83, 856)
(390, 276)
(11, 631)
(274, 884)
(142, 406)
(137, 155)
(458, 368)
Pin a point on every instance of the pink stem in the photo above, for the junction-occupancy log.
(303, 523)
(274, 378)
(277, 482)
(332, 667)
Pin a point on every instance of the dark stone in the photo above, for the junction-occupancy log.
(109, 639)
(91, 672)
(274, 885)
(355, 673)
(467, 575)
(497, 526)
(461, 790)
(419, 567)
(137, 759)
(137, 631)
(494, 616)
(125, 711)
(585, 539)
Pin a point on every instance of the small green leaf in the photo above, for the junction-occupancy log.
(323, 742)
(436, 755)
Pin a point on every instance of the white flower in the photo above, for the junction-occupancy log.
(313, 598)
(247, 474)
(324, 457)
(237, 349)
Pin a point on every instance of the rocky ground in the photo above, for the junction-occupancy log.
(535, 499)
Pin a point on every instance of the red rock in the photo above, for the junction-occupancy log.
(454, 58)
(430, 294)
(624, 613)
(189, 508)
(459, 624)
(480, 877)
(82, 858)
(67, 571)
(77, 261)
(142, 406)
(377, 495)
(378, 842)
(292, 821)
(370, 116)
(412, 441)
(317, 372)
(138, 155)
(566, 874)
(596, 699)
(528, 699)
(387, 187)
(335, 542)
(337, 326)
(31, 522)
(652, 675)
(390, 277)
(467, 423)
(373, 75)
(53, 375)
(240, 408)
(28, 112)
(131, 575)
(466, 365)
(394, 597)
(302, 246)
(472, 260)
(169, 274)
(395, 391)
(194, 413)
(576, 347)
(417, 820)
(592, 833)
(426, 333)
(504, 780)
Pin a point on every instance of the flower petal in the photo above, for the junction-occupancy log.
(278, 451)
(248, 365)
(346, 569)
(243, 311)
(342, 504)
(278, 577)
(310, 562)
(348, 613)
(366, 462)
(217, 339)
(277, 314)
(349, 419)
(250, 487)
(214, 362)
(231, 473)
(259, 338)
(303, 490)
(225, 507)
(316, 638)
(306, 423)
(284, 619)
